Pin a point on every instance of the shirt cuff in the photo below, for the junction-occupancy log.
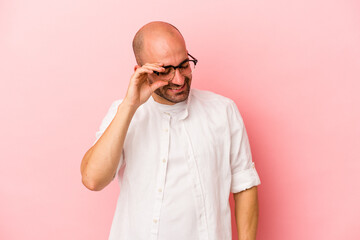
(244, 179)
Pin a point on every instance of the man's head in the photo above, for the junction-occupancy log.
(160, 42)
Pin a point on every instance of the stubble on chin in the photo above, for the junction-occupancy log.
(162, 92)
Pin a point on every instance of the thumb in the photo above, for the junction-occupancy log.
(157, 85)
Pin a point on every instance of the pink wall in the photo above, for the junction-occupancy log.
(293, 68)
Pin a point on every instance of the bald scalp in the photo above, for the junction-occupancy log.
(151, 30)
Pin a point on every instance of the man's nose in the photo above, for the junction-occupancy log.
(178, 78)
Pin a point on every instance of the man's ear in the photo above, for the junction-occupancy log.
(136, 67)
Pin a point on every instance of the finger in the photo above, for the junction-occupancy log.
(154, 64)
(148, 70)
(158, 84)
(139, 77)
(142, 71)
(154, 68)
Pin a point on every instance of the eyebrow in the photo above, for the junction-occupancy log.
(168, 66)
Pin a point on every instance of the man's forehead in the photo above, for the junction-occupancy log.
(168, 50)
(167, 57)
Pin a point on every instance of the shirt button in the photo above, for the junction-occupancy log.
(155, 220)
(160, 190)
(164, 160)
(166, 130)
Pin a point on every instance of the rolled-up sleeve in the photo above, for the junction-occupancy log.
(243, 172)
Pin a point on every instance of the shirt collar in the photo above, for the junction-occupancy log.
(178, 110)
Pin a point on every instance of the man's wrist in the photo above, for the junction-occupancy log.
(128, 106)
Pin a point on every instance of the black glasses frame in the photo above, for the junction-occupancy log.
(194, 60)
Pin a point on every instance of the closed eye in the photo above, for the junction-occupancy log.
(166, 72)
(185, 65)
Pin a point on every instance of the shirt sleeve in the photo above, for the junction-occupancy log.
(243, 172)
(103, 126)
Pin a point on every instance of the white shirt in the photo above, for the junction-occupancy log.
(178, 205)
(178, 166)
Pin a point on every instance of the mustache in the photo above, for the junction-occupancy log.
(170, 85)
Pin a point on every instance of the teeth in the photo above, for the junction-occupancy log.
(176, 88)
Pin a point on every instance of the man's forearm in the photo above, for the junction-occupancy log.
(100, 162)
(246, 213)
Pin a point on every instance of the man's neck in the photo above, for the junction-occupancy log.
(161, 100)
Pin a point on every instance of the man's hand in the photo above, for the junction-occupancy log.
(100, 162)
(140, 88)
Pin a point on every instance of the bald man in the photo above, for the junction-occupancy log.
(177, 152)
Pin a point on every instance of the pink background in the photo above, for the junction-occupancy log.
(292, 67)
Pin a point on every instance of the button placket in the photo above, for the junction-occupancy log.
(165, 143)
(199, 196)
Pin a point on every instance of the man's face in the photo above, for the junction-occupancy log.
(170, 51)
(177, 90)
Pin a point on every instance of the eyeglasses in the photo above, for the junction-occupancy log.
(186, 67)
